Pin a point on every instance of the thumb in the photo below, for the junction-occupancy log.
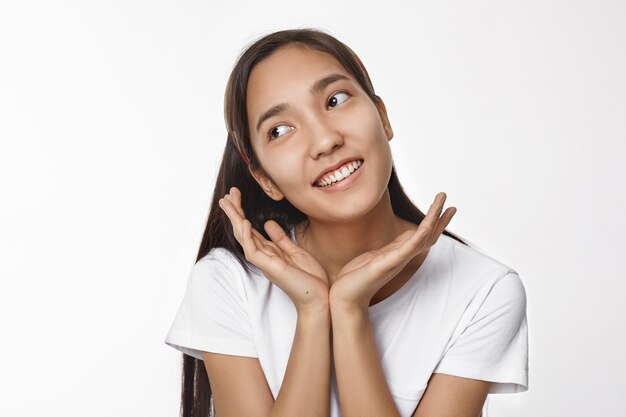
(279, 237)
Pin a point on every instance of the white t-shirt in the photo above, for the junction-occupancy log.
(462, 313)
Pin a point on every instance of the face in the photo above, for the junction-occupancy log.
(318, 128)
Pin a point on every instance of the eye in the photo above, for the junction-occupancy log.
(334, 100)
(270, 135)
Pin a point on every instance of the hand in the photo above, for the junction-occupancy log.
(361, 278)
(282, 261)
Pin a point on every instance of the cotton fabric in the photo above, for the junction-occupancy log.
(462, 313)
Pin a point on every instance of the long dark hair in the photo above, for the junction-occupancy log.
(258, 207)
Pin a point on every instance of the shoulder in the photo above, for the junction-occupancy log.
(480, 292)
(474, 258)
(219, 264)
(221, 257)
(469, 269)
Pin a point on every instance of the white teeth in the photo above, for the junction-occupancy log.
(339, 175)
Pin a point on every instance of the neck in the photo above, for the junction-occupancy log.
(336, 244)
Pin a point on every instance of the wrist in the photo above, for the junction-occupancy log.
(348, 310)
(314, 311)
(340, 305)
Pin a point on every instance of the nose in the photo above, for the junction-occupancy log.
(324, 138)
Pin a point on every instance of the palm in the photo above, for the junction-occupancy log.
(287, 255)
(282, 261)
(374, 258)
(360, 279)
(371, 270)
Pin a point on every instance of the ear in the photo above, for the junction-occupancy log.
(382, 111)
(266, 184)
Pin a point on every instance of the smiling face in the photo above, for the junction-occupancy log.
(311, 115)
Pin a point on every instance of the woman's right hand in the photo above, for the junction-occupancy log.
(282, 261)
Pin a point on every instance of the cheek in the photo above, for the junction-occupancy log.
(287, 175)
(365, 124)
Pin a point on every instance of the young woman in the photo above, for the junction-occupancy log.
(319, 288)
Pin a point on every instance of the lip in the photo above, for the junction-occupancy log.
(334, 168)
(343, 184)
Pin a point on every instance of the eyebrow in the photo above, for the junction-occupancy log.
(317, 86)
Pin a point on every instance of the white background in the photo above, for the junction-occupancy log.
(111, 128)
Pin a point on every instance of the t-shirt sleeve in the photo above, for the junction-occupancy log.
(494, 344)
(213, 315)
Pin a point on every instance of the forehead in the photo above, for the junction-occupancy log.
(286, 75)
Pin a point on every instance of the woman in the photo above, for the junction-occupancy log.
(319, 288)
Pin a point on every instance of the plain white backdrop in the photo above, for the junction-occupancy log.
(111, 129)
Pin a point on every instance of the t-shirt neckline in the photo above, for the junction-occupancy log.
(406, 287)
(410, 283)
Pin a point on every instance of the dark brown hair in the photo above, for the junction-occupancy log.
(258, 207)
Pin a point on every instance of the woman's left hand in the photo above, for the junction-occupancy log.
(361, 278)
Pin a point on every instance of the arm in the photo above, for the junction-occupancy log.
(305, 390)
(363, 390)
(452, 396)
(240, 388)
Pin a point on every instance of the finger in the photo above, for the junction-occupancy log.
(394, 259)
(247, 243)
(428, 224)
(430, 216)
(233, 216)
(412, 238)
(445, 220)
(250, 243)
(236, 200)
(267, 246)
(415, 243)
(229, 208)
(237, 222)
(401, 249)
(419, 239)
(236, 204)
(258, 255)
(280, 238)
(437, 206)
(408, 244)
(236, 219)
(259, 241)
